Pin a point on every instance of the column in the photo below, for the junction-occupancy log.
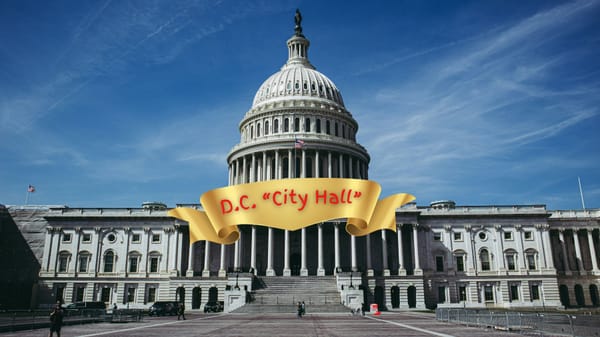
(336, 245)
(253, 169)
(303, 269)
(401, 269)
(354, 266)
(320, 268)
(548, 251)
(253, 251)
(540, 247)
(166, 249)
(500, 246)
(317, 164)
(206, 270)
(384, 254)
(270, 270)
(222, 267)
(286, 253)
(471, 255)
(577, 251)
(561, 234)
(418, 270)
(329, 168)
(277, 166)
(263, 165)
(244, 170)
(48, 247)
(350, 170)
(341, 166)
(370, 271)
(190, 268)
(303, 167)
(290, 164)
(592, 250)
(521, 262)
(237, 171)
(236, 254)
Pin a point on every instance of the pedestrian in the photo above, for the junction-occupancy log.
(56, 320)
(303, 308)
(299, 309)
(181, 311)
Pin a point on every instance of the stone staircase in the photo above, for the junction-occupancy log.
(281, 294)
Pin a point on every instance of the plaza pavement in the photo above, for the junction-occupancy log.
(280, 325)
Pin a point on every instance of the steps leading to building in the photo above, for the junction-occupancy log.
(281, 294)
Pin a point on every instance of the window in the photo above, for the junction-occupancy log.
(462, 293)
(63, 262)
(458, 236)
(514, 292)
(66, 237)
(508, 236)
(258, 130)
(441, 294)
(327, 127)
(111, 237)
(84, 260)
(437, 236)
(460, 263)
(79, 293)
(510, 261)
(296, 124)
(135, 238)
(336, 129)
(535, 292)
(109, 261)
(531, 261)
(482, 236)
(439, 263)
(286, 125)
(105, 294)
(87, 237)
(484, 256)
(266, 128)
(133, 263)
(528, 235)
(276, 126)
(131, 294)
(151, 294)
(307, 125)
(318, 126)
(155, 238)
(488, 293)
(154, 264)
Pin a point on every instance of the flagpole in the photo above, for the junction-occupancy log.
(581, 193)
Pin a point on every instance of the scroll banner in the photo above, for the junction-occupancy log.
(291, 204)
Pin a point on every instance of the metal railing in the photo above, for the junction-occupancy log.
(525, 323)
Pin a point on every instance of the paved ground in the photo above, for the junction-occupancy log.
(248, 325)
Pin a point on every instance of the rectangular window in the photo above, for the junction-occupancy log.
(462, 293)
(439, 263)
(154, 264)
(83, 263)
(133, 264)
(87, 237)
(528, 235)
(66, 237)
(105, 295)
(437, 236)
(535, 292)
(460, 263)
(488, 292)
(458, 236)
(441, 294)
(531, 261)
(510, 262)
(135, 238)
(514, 292)
(151, 294)
(155, 238)
(508, 236)
(131, 294)
(79, 292)
(63, 263)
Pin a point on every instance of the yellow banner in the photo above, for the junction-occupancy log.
(291, 204)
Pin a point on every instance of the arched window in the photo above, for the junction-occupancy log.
(336, 129)
(276, 126)
(266, 128)
(328, 127)
(251, 131)
(258, 130)
(318, 126)
(296, 124)
(484, 257)
(307, 125)
(154, 262)
(109, 262)
(286, 125)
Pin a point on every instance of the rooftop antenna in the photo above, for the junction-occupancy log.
(581, 193)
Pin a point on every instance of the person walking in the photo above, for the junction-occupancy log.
(299, 309)
(181, 311)
(303, 308)
(56, 320)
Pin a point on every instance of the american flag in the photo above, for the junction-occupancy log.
(299, 144)
(31, 189)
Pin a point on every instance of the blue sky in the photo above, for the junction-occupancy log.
(112, 103)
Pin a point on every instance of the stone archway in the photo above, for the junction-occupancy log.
(412, 296)
(395, 293)
(563, 291)
(579, 297)
(594, 295)
(196, 297)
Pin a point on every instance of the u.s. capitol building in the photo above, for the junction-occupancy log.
(443, 254)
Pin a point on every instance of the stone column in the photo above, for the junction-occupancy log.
(290, 164)
(471, 255)
(595, 269)
(350, 170)
(236, 254)
(329, 168)
(401, 269)
(264, 169)
(270, 270)
(303, 269)
(500, 246)
(336, 245)
(253, 250)
(561, 234)
(521, 261)
(253, 169)
(540, 247)
(577, 250)
(320, 268)
(286, 254)
(384, 254)
(206, 270)
(190, 268)
(547, 249)
(354, 266)
(244, 175)
(222, 267)
(341, 166)
(370, 271)
(418, 270)
(303, 167)
(317, 164)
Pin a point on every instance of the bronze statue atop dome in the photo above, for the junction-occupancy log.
(298, 20)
